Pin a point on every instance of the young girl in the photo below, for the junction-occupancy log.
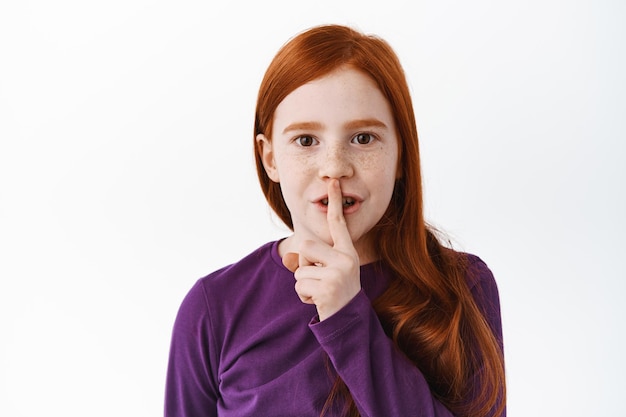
(361, 311)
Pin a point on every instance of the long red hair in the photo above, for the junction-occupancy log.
(428, 309)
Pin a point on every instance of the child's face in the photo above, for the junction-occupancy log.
(339, 126)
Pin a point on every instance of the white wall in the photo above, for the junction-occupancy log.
(126, 174)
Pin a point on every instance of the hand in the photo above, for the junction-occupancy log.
(327, 276)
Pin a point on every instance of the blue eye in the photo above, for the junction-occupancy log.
(306, 141)
(363, 138)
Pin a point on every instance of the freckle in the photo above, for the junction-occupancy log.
(373, 159)
(302, 159)
(367, 161)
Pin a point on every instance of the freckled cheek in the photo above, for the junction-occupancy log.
(368, 162)
(305, 162)
(382, 164)
(293, 164)
(295, 174)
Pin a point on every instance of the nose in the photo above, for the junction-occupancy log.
(336, 163)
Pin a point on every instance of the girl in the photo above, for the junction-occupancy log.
(384, 319)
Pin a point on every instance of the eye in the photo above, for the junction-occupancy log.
(363, 138)
(306, 140)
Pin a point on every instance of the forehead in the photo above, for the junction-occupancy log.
(342, 95)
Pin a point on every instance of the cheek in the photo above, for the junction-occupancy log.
(382, 176)
(290, 163)
(383, 166)
(295, 174)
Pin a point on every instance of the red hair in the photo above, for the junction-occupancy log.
(428, 309)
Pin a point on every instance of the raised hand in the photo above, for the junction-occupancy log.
(327, 276)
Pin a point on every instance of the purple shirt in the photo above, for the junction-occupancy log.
(244, 344)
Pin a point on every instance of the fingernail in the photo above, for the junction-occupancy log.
(290, 260)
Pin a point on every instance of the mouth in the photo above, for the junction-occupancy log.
(346, 201)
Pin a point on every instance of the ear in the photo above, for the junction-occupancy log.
(267, 156)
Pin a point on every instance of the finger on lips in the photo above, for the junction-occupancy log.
(337, 227)
(336, 222)
(332, 286)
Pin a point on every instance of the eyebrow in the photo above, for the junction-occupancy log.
(303, 126)
(360, 123)
(353, 124)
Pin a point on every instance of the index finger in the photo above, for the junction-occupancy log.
(336, 221)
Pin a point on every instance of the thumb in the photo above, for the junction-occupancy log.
(291, 261)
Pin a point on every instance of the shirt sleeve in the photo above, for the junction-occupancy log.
(190, 389)
(381, 379)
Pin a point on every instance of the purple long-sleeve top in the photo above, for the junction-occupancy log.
(244, 344)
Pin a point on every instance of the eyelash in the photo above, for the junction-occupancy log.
(354, 139)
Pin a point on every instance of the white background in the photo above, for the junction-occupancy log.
(126, 173)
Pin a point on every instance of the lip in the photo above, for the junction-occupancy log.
(346, 210)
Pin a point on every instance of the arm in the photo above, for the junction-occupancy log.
(382, 381)
(190, 388)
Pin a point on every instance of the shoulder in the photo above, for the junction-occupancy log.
(484, 289)
(262, 259)
(232, 279)
(478, 276)
(254, 269)
(480, 279)
(477, 271)
(238, 287)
